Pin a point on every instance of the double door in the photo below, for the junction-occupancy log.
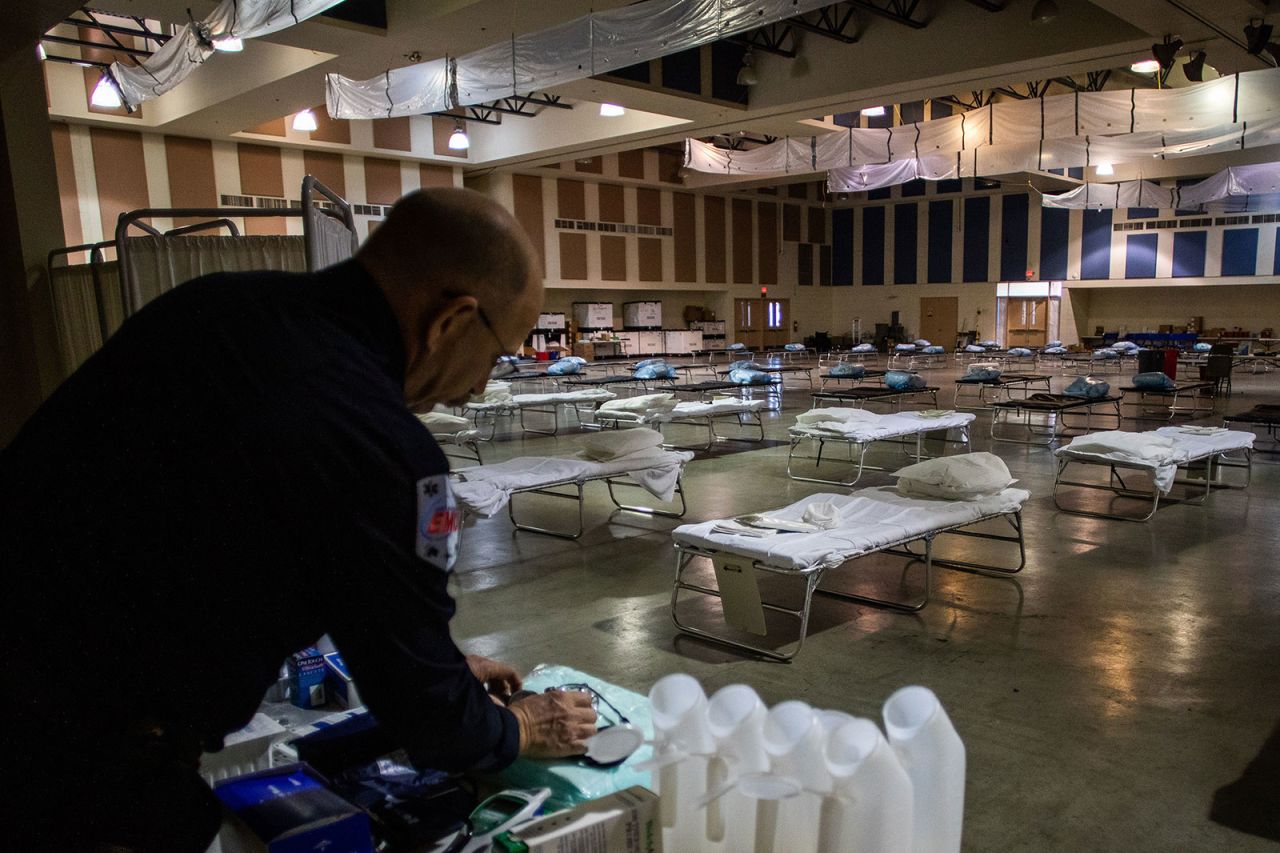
(762, 323)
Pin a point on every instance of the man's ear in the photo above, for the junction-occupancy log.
(442, 325)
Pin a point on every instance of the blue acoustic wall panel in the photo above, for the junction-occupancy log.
(906, 228)
(1140, 256)
(977, 234)
(1189, 253)
(1275, 265)
(841, 246)
(1076, 172)
(1143, 213)
(939, 247)
(1013, 237)
(1095, 245)
(1240, 251)
(1055, 224)
(913, 188)
(873, 245)
(953, 185)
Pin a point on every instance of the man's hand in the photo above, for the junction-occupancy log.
(499, 679)
(555, 724)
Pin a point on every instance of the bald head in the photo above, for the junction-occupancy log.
(463, 282)
(439, 241)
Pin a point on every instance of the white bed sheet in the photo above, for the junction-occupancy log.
(520, 401)
(868, 426)
(870, 519)
(1161, 451)
(691, 409)
(486, 489)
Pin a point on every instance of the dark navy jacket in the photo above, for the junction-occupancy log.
(231, 476)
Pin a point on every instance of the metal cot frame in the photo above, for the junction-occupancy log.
(552, 409)
(1055, 412)
(1213, 463)
(1262, 417)
(1194, 389)
(813, 573)
(863, 447)
(611, 480)
(750, 418)
(858, 396)
(1005, 384)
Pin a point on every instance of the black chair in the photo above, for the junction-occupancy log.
(1218, 369)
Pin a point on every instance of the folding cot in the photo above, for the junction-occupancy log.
(582, 402)
(875, 394)
(1054, 409)
(485, 489)
(1005, 384)
(692, 412)
(858, 428)
(1262, 417)
(1160, 454)
(704, 390)
(870, 521)
(824, 378)
(617, 381)
(1087, 363)
(452, 436)
(1197, 391)
(789, 355)
(781, 370)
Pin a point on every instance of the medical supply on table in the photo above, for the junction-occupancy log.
(286, 809)
(733, 776)
(622, 822)
(495, 816)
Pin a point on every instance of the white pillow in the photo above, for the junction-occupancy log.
(643, 403)
(610, 444)
(443, 422)
(965, 477)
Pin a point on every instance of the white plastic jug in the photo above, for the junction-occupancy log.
(736, 717)
(683, 736)
(870, 807)
(933, 756)
(794, 738)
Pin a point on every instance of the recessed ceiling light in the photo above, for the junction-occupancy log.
(1145, 66)
(873, 111)
(305, 121)
(1104, 169)
(228, 44)
(612, 110)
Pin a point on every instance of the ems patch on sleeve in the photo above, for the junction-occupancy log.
(439, 522)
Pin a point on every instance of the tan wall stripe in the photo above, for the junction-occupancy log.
(64, 164)
(121, 173)
(527, 204)
(612, 203)
(649, 206)
(685, 239)
(767, 241)
(189, 163)
(571, 199)
(742, 241)
(330, 129)
(381, 180)
(573, 256)
(817, 225)
(392, 133)
(613, 258)
(631, 164)
(713, 238)
(650, 249)
(327, 169)
(791, 223)
(430, 175)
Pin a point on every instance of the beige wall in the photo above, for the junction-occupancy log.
(1138, 309)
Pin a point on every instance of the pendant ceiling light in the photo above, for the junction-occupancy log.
(229, 44)
(105, 94)
(747, 73)
(1104, 169)
(305, 121)
(873, 112)
(458, 140)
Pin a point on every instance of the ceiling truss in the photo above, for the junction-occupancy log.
(525, 106)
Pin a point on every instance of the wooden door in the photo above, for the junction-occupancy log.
(1027, 322)
(940, 320)
(777, 322)
(749, 323)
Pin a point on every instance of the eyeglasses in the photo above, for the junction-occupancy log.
(614, 742)
(506, 363)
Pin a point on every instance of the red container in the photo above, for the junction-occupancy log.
(542, 356)
(1171, 363)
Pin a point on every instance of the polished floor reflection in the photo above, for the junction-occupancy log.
(1103, 694)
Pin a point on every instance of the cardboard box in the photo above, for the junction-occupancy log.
(287, 809)
(306, 678)
(624, 822)
(338, 681)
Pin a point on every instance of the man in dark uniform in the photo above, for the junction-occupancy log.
(234, 474)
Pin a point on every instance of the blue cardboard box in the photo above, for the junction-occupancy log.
(340, 686)
(306, 678)
(289, 810)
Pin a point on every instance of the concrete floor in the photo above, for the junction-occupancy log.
(1103, 695)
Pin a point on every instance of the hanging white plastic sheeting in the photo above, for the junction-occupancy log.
(1079, 129)
(593, 44)
(189, 48)
(931, 167)
(1248, 187)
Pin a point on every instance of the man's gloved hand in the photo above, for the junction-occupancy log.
(555, 724)
(499, 679)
